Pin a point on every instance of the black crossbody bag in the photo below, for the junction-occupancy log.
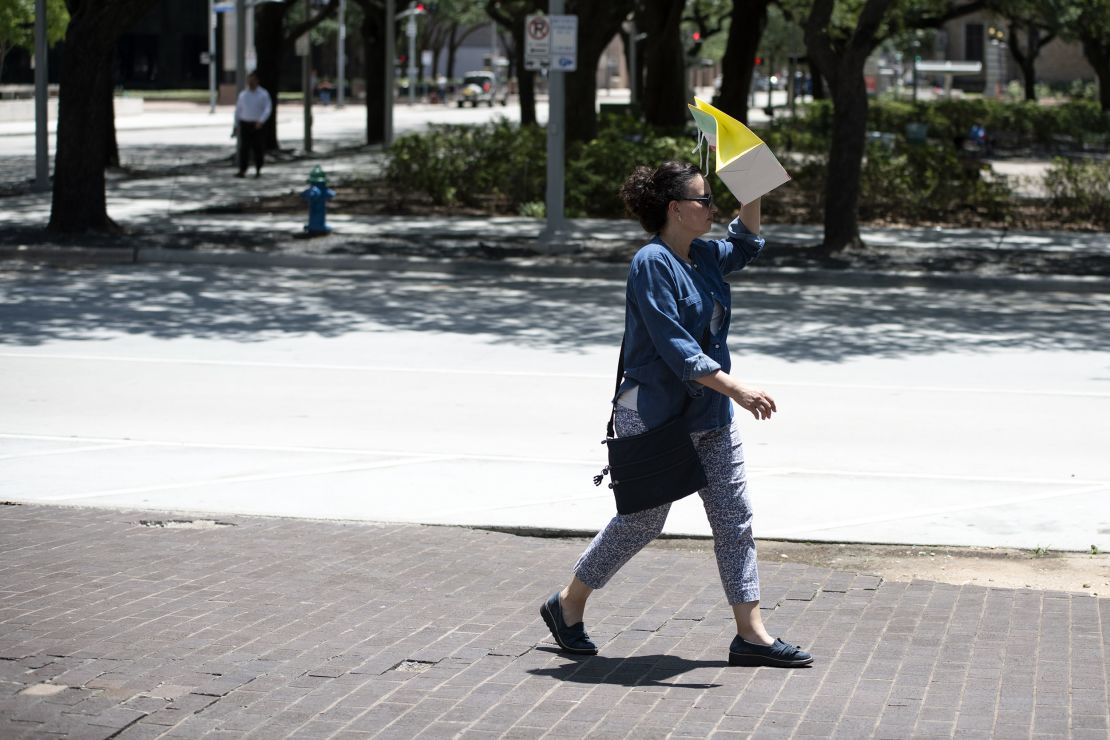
(652, 468)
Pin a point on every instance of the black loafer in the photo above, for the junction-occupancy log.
(572, 639)
(780, 654)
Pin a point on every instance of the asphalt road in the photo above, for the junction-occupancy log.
(967, 417)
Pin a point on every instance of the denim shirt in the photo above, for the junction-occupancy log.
(668, 309)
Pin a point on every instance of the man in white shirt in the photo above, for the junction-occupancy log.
(251, 111)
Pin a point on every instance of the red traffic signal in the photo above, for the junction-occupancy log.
(420, 7)
(696, 36)
(758, 61)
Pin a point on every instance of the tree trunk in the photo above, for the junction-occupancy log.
(817, 82)
(452, 50)
(83, 134)
(509, 42)
(374, 68)
(598, 23)
(269, 24)
(665, 90)
(1097, 51)
(106, 95)
(79, 202)
(1026, 59)
(512, 18)
(1029, 73)
(749, 18)
(526, 78)
(849, 133)
(635, 76)
(1029, 69)
(842, 68)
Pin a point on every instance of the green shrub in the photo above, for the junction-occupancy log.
(1081, 189)
(532, 209)
(1011, 124)
(427, 163)
(501, 167)
(1083, 90)
(453, 164)
(596, 169)
(469, 165)
(926, 182)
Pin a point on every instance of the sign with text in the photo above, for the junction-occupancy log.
(537, 42)
(564, 42)
(551, 42)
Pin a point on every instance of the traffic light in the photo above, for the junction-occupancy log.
(759, 61)
(694, 46)
(420, 8)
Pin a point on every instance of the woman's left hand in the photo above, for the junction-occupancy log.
(757, 402)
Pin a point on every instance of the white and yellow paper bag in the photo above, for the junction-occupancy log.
(744, 163)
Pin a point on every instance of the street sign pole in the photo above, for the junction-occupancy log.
(633, 81)
(341, 61)
(563, 58)
(211, 57)
(410, 30)
(241, 46)
(556, 146)
(42, 96)
(306, 80)
(390, 64)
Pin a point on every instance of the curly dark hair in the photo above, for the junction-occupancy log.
(647, 192)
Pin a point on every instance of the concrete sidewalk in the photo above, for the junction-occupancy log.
(195, 213)
(120, 624)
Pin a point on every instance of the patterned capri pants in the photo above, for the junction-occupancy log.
(726, 505)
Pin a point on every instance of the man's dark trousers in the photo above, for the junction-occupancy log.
(252, 142)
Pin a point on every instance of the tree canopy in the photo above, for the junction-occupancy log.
(17, 25)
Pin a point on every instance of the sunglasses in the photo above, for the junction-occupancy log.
(705, 200)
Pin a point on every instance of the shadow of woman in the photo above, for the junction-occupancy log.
(638, 670)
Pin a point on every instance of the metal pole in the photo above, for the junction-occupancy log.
(211, 58)
(306, 81)
(241, 45)
(42, 96)
(556, 140)
(790, 82)
(390, 68)
(410, 29)
(770, 87)
(341, 61)
(635, 83)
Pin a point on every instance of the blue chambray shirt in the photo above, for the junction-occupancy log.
(669, 306)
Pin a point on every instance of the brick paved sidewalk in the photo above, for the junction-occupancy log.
(288, 628)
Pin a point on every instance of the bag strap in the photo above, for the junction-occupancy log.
(609, 431)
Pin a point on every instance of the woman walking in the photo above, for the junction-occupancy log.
(677, 318)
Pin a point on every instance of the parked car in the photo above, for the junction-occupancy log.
(482, 87)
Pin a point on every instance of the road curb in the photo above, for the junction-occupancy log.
(538, 268)
(69, 256)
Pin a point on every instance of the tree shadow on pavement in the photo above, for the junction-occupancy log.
(790, 320)
(638, 670)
